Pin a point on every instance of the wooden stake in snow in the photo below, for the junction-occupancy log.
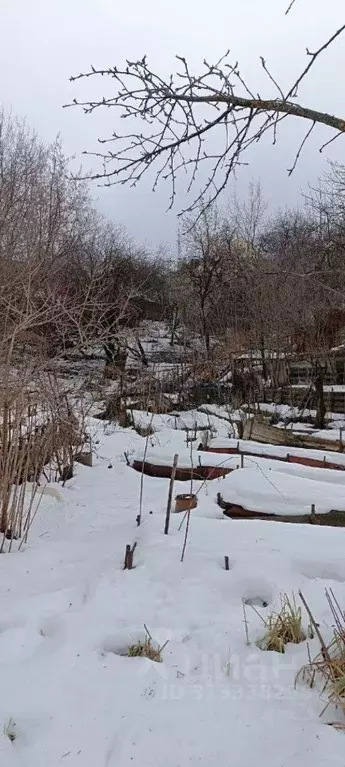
(138, 518)
(242, 460)
(313, 512)
(171, 487)
(226, 562)
(128, 563)
(341, 440)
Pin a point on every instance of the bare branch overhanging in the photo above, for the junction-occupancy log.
(178, 114)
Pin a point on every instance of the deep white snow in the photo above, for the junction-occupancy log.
(71, 697)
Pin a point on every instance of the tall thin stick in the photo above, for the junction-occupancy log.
(245, 622)
(190, 502)
(171, 487)
(142, 475)
(324, 648)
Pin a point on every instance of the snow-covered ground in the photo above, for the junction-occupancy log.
(334, 433)
(281, 493)
(71, 697)
(288, 411)
(186, 420)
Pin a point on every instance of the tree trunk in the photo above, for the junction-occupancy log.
(174, 326)
(109, 350)
(205, 332)
(115, 358)
(320, 396)
(264, 366)
(142, 353)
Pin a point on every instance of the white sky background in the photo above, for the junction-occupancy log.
(43, 42)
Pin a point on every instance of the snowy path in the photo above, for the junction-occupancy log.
(69, 611)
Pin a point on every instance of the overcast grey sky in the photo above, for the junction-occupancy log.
(43, 42)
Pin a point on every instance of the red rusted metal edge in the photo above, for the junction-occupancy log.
(235, 511)
(290, 458)
(198, 472)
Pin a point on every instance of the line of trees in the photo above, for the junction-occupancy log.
(68, 278)
(273, 285)
(277, 282)
(240, 280)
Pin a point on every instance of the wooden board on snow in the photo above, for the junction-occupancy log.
(259, 430)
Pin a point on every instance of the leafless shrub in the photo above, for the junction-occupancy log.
(24, 447)
(144, 431)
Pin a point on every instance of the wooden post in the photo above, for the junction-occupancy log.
(127, 557)
(313, 513)
(171, 486)
(128, 563)
(288, 457)
(242, 460)
(226, 562)
(341, 439)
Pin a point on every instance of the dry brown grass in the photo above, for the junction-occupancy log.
(283, 626)
(23, 445)
(39, 437)
(147, 649)
(144, 431)
(328, 667)
(9, 730)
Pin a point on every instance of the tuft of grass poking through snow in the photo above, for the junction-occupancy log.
(147, 649)
(283, 626)
(328, 667)
(10, 729)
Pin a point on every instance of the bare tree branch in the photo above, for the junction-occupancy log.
(313, 56)
(298, 154)
(290, 6)
(175, 117)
